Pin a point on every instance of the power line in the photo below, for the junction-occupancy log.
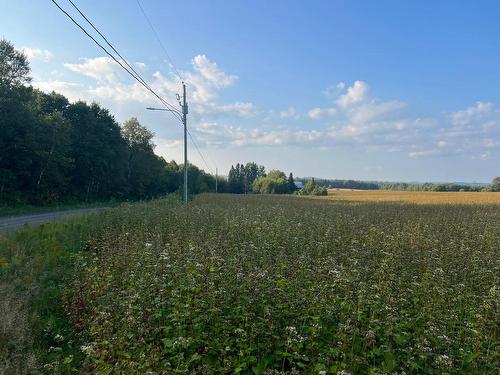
(128, 68)
(138, 78)
(199, 152)
(110, 45)
(159, 41)
(121, 57)
(177, 73)
(208, 155)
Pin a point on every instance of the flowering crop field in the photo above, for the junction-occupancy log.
(275, 284)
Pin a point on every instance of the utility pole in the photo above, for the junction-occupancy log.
(184, 121)
(216, 178)
(184, 112)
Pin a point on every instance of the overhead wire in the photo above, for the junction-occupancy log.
(199, 152)
(114, 49)
(159, 41)
(139, 79)
(129, 69)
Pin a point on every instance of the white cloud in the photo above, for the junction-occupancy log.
(73, 91)
(205, 82)
(102, 69)
(210, 72)
(241, 109)
(355, 94)
(374, 110)
(122, 93)
(291, 112)
(318, 113)
(214, 133)
(37, 54)
(472, 113)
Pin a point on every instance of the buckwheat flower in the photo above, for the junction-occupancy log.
(239, 331)
(58, 338)
(148, 244)
(87, 349)
(444, 361)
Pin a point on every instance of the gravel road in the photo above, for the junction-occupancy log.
(9, 224)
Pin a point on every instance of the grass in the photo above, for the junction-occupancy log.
(257, 284)
(36, 265)
(418, 197)
(25, 209)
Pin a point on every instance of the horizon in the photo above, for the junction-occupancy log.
(357, 91)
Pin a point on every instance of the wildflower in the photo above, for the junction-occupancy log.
(58, 338)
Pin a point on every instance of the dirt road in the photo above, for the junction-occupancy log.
(9, 224)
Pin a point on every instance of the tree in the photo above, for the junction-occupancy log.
(235, 179)
(274, 183)
(495, 184)
(143, 166)
(14, 65)
(99, 151)
(291, 183)
(251, 171)
(311, 188)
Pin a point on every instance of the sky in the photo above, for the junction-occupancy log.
(385, 90)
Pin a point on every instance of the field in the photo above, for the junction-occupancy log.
(418, 197)
(281, 284)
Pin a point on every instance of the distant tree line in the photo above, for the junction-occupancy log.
(54, 150)
(252, 178)
(402, 186)
(428, 186)
(341, 184)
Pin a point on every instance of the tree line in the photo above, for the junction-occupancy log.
(402, 186)
(253, 178)
(53, 150)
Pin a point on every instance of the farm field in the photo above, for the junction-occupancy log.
(255, 284)
(418, 197)
(260, 285)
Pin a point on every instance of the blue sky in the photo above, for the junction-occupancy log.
(385, 90)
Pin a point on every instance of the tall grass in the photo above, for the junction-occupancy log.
(36, 265)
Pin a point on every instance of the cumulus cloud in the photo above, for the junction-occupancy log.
(37, 54)
(291, 112)
(73, 91)
(319, 113)
(473, 131)
(356, 93)
(472, 113)
(211, 72)
(205, 82)
(222, 134)
(102, 69)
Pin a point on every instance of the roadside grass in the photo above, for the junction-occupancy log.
(26, 209)
(36, 265)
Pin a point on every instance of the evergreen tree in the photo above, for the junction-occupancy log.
(291, 183)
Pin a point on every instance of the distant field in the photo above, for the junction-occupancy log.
(422, 197)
